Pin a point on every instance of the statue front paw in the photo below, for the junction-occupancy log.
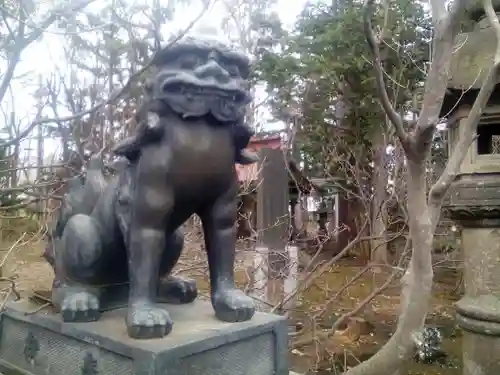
(145, 321)
(232, 305)
(178, 290)
(80, 307)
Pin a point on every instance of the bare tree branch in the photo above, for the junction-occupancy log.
(113, 97)
(438, 10)
(438, 191)
(393, 116)
(16, 55)
(416, 292)
(22, 40)
(446, 28)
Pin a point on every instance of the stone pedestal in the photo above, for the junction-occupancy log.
(40, 344)
(475, 204)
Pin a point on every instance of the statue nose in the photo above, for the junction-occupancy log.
(212, 69)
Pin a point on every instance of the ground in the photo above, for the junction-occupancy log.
(357, 340)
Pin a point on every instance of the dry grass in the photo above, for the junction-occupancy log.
(30, 272)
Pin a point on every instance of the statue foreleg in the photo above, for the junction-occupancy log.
(219, 227)
(241, 136)
(151, 206)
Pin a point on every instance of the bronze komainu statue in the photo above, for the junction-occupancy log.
(125, 231)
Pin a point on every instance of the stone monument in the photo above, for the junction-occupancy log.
(116, 242)
(474, 202)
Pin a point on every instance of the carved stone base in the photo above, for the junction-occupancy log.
(474, 200)
(478, 313)
(40, 344)
(482, 309)
(480, 319)
(480, 354)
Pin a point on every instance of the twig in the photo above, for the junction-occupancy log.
(39, 308)
(446, 28)
(415, 295)
(344, 317)
(361, 306)
(12, 288)
(327, 304)
(438, 191)
(10, 251)
(393, 116)
(314, 275)
(112, 98)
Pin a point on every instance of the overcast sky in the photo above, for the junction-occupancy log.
(42, 57)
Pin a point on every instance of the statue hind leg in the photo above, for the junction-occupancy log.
(174, 289)
(78, 255)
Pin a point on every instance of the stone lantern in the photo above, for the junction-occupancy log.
(322, 215)
(474, 201)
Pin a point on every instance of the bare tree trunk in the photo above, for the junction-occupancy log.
(13, 129)
(39, 152)
(14, 166)
(111, 69)
(424, 211)
(379, 253)
(39, 136)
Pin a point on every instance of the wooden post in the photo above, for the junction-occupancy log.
(293, 219)
(273, 223)
(272, 200)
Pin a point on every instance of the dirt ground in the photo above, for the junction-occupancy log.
(360, 338)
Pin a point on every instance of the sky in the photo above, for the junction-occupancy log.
(43, 58)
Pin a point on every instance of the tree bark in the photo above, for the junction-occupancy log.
(379, 252)
(424, 213)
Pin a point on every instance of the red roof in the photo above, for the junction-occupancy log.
(249, 173)
(273, 141)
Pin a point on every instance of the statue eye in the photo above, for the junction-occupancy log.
(232, 69)
(188, 61)
(244, 72)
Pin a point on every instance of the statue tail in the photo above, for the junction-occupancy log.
(83, 194)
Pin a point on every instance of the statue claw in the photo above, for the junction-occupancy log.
(177, 290)
(148, 322)
(80, 307)
(232, 305)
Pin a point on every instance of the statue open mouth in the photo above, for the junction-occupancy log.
(196, 97)
(192, 90)
(196, 79)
